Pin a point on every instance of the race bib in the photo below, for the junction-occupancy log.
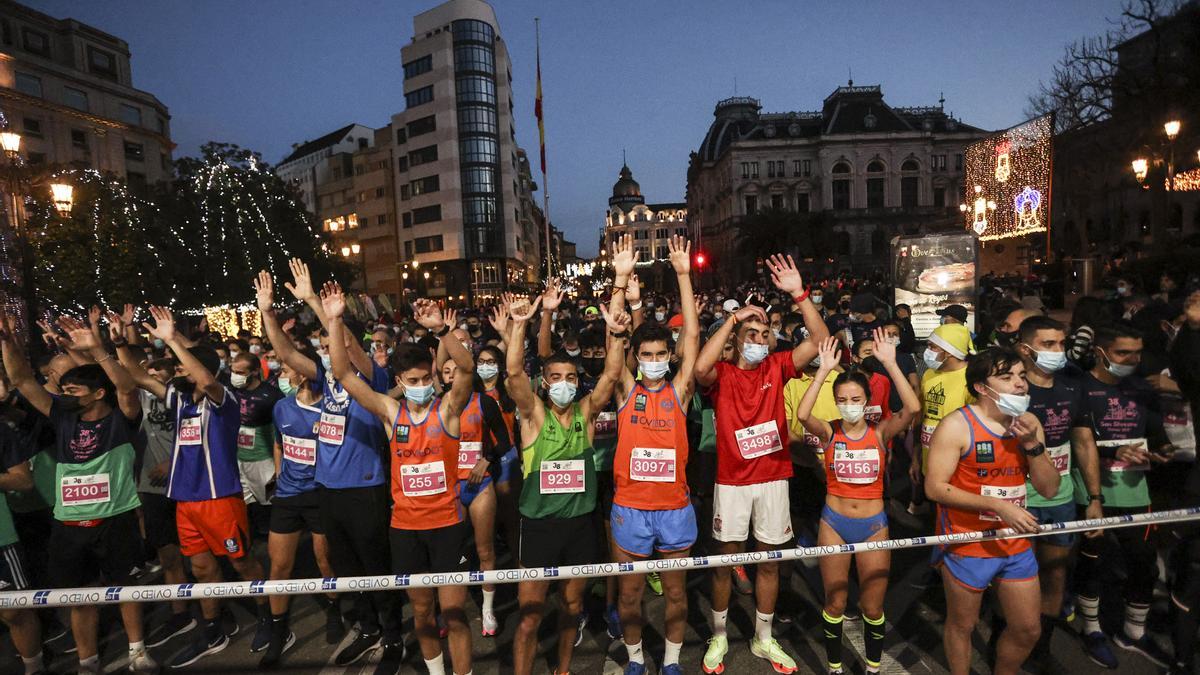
(561, 477)
(655, 465)
(189, 431)
(606, 423)
(84, 490)
(857, 467)
(873, 414)
(420, 480)
(1061, 456)
(758, 440)
(332, 429)
(1014, 494)
(1114, 465)
(300, 450)
(469, 454)
(927, 434)
(246, 437)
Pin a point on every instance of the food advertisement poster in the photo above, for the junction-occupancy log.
(931, 272)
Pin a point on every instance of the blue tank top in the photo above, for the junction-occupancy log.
(204, 460)
(351, 443)
(296, 433)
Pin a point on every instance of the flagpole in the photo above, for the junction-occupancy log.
(537, 31)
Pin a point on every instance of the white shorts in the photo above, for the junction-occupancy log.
(765, 505)
(255, 476)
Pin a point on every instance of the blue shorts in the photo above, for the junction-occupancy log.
(854, 530)
(1049, 515)
(641, 533)
(467, 492)
(979, 573)
(510, 466)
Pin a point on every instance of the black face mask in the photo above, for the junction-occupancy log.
(593, 367)
(872, 365)
(1006, 339)
(70, 403)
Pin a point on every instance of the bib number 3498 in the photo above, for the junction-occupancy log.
(758, 440)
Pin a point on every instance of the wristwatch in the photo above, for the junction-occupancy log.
(1035, 450)
(1095, 498)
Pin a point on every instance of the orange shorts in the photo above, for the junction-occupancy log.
(219, 526)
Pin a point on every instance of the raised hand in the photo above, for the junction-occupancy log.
(624, 256)
(680, 253)
(333, 302)
(302, 286)
(553, 296)
(521, 309)
(785, 274)
(127, 314)
(499, 318)
(116, 328)
(264, 291)
(164, 323)
(633, 289)
(829, 351)
(82, 338)
(885, 351)
(751, 312)
(288, 325)
(1025, 428)
(450, 316)
(6, 326)
(616, 323)
(94, 314)
(429, 314)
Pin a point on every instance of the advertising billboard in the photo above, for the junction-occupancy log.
(931, 272)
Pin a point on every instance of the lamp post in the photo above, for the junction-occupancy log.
(355, 250)
(1141, 169)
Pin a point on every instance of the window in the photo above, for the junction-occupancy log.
(363, 144)
(777, 202)
(476, 119)
(909, 188)
(474, 58)
(424, 125)
(134, 151)
(475, 89)
(79, 139)
(754, 169)
(33, 127)
(470, 29)
(841, 194)
(802, 203)
(402, 164)
(418, 97)
(427, 214)
(660, 233)
(841, 167)
(379, 192)
(939, 196)
(405, 193)
(479, 210)
(408, 253)
(406, 221)
(807, 167)
(751, 205)
(382, 219)
(910, 165)
(131, 115)
(958, 162)
(875, 192)
(745, 170)
(796, 168)
(102, 63)
(478, 150)
(425, 185)
(35, 41)
(29, 84)
(937, 163)
(401, 136)
(479, 179)
(162, 126)
(359, 169)
(418, 66)
(660, 253)
(681, 231)
(875, 166)
(428, 244)
(423, 155)
(770, 169)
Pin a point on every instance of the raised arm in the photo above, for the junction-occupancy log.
(681, 259)
(885, 352)
(430, 315)
(164, 329)
(499, 321)
(126, 386)
(333, 304)
(264, 297)
(786, 277)
(551, 299)
(614, 362)
(117, 331)
(301, 287)
(20, 373)
(518, 385)
(830, 349)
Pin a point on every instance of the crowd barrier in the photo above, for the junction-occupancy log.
(99, 595)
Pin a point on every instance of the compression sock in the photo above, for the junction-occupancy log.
(671, 653)
(635, 652)
(1135, 620)
(874, 634)
(833, 640)
(1089, 610)
(718, 619)
(762, 625)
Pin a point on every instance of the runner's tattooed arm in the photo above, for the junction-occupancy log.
(382, 406)
(285, 349)
(16, 365)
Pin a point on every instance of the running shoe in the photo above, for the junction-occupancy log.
(335, 628)
(389, 662)
(773, 652)
(362, 643)
(1095, 645)
(489, 624)
(714, 656)
(613, 619)
(199, 649)
(742, 581)
(140, 661)
(1146, 646)
(262, 634)
(178, 624)
(443, 630)
(672, 669)
(582, 625)
(632, 668)
(282, 640)
(654, 582)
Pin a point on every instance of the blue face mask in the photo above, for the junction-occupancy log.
(487, 371)
(1049, 362)
(419, 395)
(286, 386)
(754, 353)
(327, 362)
(159, 344)
(562, 393)
(931, 359)
(654, 370)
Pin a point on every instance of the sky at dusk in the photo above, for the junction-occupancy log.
(642, 76)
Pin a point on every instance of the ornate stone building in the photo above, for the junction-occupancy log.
(650, 224)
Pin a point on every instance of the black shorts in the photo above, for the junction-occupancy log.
(80, 556)
(605, 489)
(296, 513)
(12, 568)
(443, 549)
(158, 516)
(557, 542)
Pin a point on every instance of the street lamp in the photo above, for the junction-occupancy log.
(11, 142)
(62, 194)
(1140, 168)
(1172, 129)
(354, 250)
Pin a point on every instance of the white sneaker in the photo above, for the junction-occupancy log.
(489, 624)
(140, 661)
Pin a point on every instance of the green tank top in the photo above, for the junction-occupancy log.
(45, 482)
(256, 443)
(708, 423)
(559, 469)
(100, 488)
(8, 531)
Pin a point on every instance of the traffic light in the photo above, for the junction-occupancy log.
(701, 260)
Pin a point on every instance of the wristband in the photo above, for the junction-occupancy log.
(120, 342)
(621, 336)
(634, 308)
(444, 331)
(1096, 498)
(1036, 450)
(802, 297)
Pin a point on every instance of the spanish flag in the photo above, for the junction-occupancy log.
(537, 105)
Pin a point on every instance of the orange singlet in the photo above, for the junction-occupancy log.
(424, 472)
(649, 467)
(470, 437)
(855, 467)
(509, 416)
(993, 466)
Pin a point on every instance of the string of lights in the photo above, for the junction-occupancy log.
(1007, 181)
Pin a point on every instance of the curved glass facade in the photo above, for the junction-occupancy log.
(478, 140)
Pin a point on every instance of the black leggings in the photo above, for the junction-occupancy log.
(1137, 553)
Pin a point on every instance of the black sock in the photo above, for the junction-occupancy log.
(874, 631)
(263, 610)
(833, 640)
(212, 628)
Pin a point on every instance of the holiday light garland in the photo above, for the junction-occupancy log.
(1007, 181)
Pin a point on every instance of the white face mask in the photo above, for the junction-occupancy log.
(255, 349)
(754, 353)
(315, 342)
(1117, 370)
(851, 412)
(660, 316)
(675, 335)
(572, 353)
(562, 393)
(654, 370)
(1013, 405)
(1049, 362)
(237, 380)
(487, 371)
(419, 395)
(272, 365)
(931, 359)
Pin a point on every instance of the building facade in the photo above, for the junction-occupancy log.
(871, 171)
(650, 225)
(67, 89)
(307, 166)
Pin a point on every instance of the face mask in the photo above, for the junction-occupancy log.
(1118, 370)
(872, 365)
(562, 393)
(419, 395)
(315, 342)
(158, 344)
(233, 354)
(572, 353)
(285, 385)
(660, 316)
(856, 318)
(1122, 290)
(754, 353)
(593, 367)
(255, 349)
(237, 380)
(892, 339)
(1049, 362)
(816, 361)
(221, 364)
(675, 335)
(272, 365)
(931, 359)
(326, 361)
(70, 403)
(654, 370)
(851, 412)
(816, 299)
(1006, 339)
(1012, 405)
(487, 371)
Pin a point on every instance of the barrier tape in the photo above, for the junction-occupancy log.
(68, 597)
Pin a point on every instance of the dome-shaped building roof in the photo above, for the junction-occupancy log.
(626, 191)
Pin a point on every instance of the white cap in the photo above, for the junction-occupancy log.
(731, 306)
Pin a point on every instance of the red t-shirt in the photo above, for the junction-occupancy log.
(752, 431)
(878, 408)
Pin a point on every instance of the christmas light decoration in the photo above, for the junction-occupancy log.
(1188, 181)
(1009, 176)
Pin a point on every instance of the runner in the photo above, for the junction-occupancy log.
(558, 493)
(507, 481)
(979, 459)
(23, 625)
(256, 462)
(752, 473)
(855, 460)
(429, 530)
(943, 390)
(652, 511)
